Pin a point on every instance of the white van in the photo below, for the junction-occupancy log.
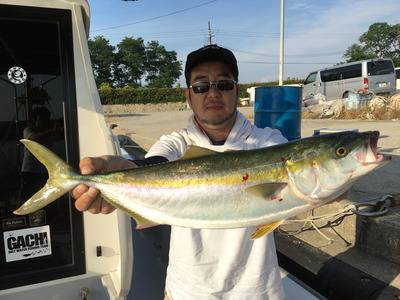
(373, 75)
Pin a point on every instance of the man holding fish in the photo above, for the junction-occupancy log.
(207, 263)
(221, 183)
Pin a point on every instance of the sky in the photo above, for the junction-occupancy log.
(317, 32)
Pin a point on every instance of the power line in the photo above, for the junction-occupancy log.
(316, 54)
(201, 31)
(290, 37)
(287, 63)
(252, 53)
(154, 18)
(276, 35)
(240, 34)
(246, 34)
(277, 63)
(290, 55)
(265, 34)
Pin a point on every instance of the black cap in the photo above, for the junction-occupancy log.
(211, 53)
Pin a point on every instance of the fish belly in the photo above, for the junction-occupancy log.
(202, 206)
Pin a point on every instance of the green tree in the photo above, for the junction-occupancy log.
(102, 57)
(129, 62)
(382, 40)
(162, 67)
(357, 52)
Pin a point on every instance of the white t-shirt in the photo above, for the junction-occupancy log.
(220, 263)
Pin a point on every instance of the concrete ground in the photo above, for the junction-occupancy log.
(146, 128)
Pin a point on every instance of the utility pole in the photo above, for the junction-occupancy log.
(210, 34)
(281, 55)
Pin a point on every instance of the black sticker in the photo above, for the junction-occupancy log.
(14, 222)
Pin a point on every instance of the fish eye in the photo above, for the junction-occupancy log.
(341, 151)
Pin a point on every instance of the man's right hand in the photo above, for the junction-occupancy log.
(89, 198)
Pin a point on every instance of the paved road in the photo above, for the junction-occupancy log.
(146, 128)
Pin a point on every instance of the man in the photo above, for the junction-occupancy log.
(207, 264)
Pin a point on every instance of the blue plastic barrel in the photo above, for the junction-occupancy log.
(279, 107)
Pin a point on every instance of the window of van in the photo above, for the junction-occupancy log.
(346, 72)
(398, 73)
(352, 71)
(311, 78)
(380, 67)
(330, 75)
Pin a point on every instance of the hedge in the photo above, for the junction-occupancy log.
(132, 95)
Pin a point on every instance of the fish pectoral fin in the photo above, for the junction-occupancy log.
(195, 151)
(268, 191)
(141, 222)
(265, 229)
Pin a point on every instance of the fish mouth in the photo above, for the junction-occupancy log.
(370, 154)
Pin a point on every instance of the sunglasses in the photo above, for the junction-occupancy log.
(204, 86)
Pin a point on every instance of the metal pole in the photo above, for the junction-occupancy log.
(281, 55)
(210, 35)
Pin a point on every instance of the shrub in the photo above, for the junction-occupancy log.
(130, 95)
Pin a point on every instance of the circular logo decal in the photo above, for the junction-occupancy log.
(16, 75)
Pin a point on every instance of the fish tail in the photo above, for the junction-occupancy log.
(61, 179)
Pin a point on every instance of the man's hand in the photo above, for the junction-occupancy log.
(89, 198)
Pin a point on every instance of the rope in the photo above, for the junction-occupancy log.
(381, 204)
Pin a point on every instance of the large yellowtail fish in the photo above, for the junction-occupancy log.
(205, 189)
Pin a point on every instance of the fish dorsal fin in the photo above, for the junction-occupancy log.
(264, 229)
(196, 151)
(267, 190)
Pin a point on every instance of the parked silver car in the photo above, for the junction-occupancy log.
(372, 75)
